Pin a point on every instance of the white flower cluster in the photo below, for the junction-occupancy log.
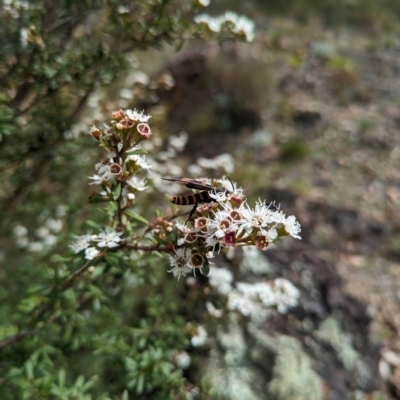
(106, 238)
(113, 166)
(45, 237)
(224, 162)
(280, 293)
(229, 226)
(239, 23)
(254, 299)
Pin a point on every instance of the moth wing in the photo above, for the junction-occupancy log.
(190, 183)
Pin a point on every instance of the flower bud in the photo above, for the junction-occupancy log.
(96, 133)
(236, 201)
(118, 115)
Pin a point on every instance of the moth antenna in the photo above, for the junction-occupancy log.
(230, 180)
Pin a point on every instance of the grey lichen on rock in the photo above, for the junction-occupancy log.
(249, 364)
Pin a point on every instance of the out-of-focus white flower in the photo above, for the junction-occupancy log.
(126, 93)
(20, 230)
(204, 3)
(91, 253)
(42, 232)
(201, 337)
(35, 247)
(60, 212)
(286, 294)
(213, 24)
(109, 238)
(212, 310)
(55, 225)
(81, 242)
(140, 161)
(221, 280)
(239, 24)
(122, 9)
(183, 360)
(254, 261)
(50, 240)
(137, 184)
(24, 35)
(178, 142)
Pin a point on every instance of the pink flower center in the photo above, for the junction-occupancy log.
(230, 239)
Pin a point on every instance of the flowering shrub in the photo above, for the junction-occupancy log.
(225, 221)
(222, 222)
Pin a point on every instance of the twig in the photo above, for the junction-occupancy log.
(14, 338)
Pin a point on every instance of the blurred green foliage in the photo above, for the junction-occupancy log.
(112, 332)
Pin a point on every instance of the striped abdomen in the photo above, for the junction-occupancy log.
(201, 197)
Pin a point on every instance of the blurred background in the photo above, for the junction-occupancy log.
(307, 115)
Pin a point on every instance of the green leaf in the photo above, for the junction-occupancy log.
(98, 199)
(161, 241)
(140, 384)
(61, 377)
(117, 191)
(137, 152)
(130, 364)
(136, 216)
(125, 395)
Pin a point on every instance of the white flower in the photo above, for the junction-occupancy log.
(181, 262)
(240, 23)
(81, 243)
(134, 148)
(292, 227)
(221, 279)
(140, 161)
(42, 232)
(135, 115)
(178, 142)
(54, 225)
(266, 294)
(204, 3)
(91, 253)
(20, 230)
(183, 360)
(213, 24)
(36, 247)
(97, 180)
(109, 238)
(22, 241)
(201, 337)
(104, 174)
(50, 240)
(262, 217)
(286, 294)
(136, 184)
(219, 224)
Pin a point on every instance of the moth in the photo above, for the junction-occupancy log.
(196, 198)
